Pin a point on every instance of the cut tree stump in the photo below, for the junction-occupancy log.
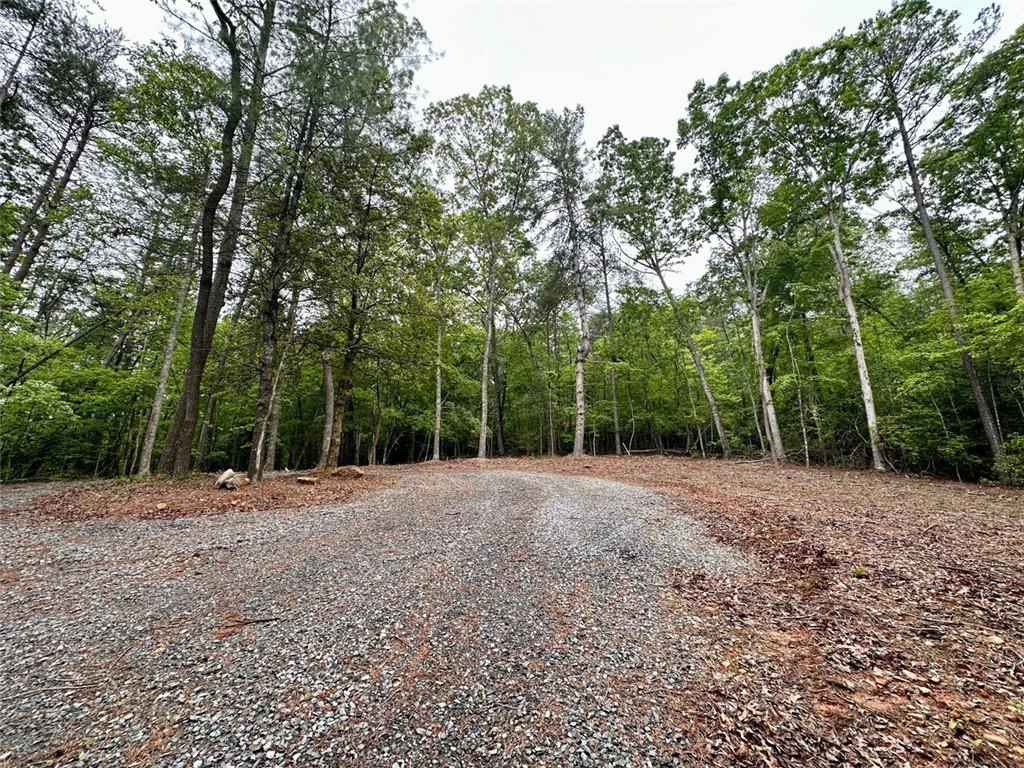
(306, 480)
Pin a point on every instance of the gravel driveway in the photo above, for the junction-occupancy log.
(483, 617)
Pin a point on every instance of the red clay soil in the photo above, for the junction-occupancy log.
(167, 499)
(884, 614)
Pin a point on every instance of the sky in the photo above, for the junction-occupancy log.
(630, 63)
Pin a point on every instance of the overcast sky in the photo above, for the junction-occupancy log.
(630, 63)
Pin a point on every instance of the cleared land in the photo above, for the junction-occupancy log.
(547, 612)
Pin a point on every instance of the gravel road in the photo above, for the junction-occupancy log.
(484, 617)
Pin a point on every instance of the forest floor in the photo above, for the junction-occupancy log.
(640, 611)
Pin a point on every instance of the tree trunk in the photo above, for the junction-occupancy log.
(499, 396)
(437, 380)
(146, 457)
(485, 368)
(611, 348)
(698, 363)
(771, 422)
(32, 215)
(213, 284)
(582, 350)
(260, 454)
(799, 399)
(222, 362)
(341, 393)
(949, 298)
(12, 75)
(325, 441)
(56, 198)
(1013, 245)
(846, 296)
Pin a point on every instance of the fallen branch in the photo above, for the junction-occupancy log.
(50, 689)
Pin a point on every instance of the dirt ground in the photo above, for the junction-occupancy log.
(688, 613)
(885, 614)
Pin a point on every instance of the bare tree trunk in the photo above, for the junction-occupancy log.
(611, 348)
(12, 75)
(56, 198)
(949, 298)
(325, 442)
(375, 441)
(1013, 245)
(698, 363)
(778, 451)
(267, 436)
(437, 382)
(499, 396)
(582, 351)
(146, 457)
(846, 296)
(32, 215)
(341, 393)
(485, 368)
(222, 362)
(799, 399)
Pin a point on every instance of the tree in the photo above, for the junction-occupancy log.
(913, 54)
(213, 282)
(651, 207)
(980, 148)
(720, 126)
(488, 145)
(70, 90)
(823, 131)
(566, 189)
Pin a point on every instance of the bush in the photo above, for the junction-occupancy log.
(1009, 467)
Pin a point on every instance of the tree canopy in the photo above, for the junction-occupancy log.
(250, 244)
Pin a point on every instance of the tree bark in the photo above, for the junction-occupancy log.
(274, 419)
(146, 456)
(949, 298)
(698, 363)
(289, 211)
(498, 448)
(1010, 223)
(583, 349)
(611, 347)
(38, 202)
(437, 375)
(485, 368)
(56, 198)
(325, 441)
(846, 296)
(5, 90)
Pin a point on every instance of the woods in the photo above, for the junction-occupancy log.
(255, 244)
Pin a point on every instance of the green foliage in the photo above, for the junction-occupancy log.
(489, 208)
(1009, 468)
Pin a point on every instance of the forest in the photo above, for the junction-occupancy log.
(254, 244)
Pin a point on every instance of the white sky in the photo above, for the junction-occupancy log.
(630, 63)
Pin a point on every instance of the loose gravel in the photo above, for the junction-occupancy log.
(489, 617)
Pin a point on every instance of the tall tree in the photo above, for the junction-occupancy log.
(651, 207)
(913, 54)
(213, 280)
(488, 144)
(823, 131)
(721, 127)
(566, 188)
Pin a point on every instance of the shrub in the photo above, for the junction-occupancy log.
(1009, 467)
